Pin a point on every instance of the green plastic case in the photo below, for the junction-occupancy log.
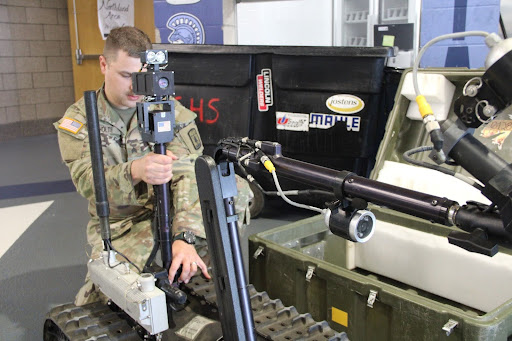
(305, 265)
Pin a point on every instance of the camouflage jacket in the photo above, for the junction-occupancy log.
(121, 145)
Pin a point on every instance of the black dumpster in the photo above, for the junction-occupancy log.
(325, 105)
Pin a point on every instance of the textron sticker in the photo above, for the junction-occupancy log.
(292, 121)
(264, 88)
(325, 121)
(345, 104)
(498, 130)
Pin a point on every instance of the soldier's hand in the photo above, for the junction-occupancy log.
(153, 169)
(185, 254)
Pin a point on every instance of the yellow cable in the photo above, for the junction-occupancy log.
(268, 164)
(424, 107)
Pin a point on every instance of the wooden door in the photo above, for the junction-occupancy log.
(87, 76)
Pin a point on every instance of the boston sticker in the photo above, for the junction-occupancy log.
(292, 121)
(345, 104)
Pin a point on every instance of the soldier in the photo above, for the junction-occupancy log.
(131, 168)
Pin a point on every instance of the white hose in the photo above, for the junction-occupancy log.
(293, 203)
(432, 42)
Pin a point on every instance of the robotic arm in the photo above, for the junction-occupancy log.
(348, 217)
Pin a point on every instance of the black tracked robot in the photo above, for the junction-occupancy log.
(145, 305)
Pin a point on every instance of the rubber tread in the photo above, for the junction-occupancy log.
(272, 320)
(91, 322)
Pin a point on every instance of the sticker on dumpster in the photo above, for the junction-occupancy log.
(339, 316)
(292, 121)
(345, 104)
(264, 89)
(326, 121)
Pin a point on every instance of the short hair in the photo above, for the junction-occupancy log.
(127, 38)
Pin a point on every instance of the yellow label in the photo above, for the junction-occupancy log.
(388, 41)
(340, 317)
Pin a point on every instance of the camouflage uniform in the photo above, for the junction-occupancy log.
(131, 207)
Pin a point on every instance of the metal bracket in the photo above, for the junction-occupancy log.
(78, 52)
(371, 298)
(258, 252)
(449, 326)
(309, 273)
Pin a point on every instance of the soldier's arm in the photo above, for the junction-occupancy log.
(186, 203)
(74, 148)
(187, 146)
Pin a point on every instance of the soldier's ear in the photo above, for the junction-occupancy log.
(103, 64)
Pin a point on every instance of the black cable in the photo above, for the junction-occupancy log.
(502, 26)
(407, 157)
(256, 183)
(126, 258)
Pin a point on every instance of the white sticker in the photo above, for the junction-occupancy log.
(383, 28)
(345, 104)
(192, 329)
(326, 121)
(292, 121)
(164, 126)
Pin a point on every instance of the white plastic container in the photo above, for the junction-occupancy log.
(437, 90)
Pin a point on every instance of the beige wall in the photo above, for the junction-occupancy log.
(36, 81)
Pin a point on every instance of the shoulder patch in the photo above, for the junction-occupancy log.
(193, 134)
(191, 138)
(71, 125)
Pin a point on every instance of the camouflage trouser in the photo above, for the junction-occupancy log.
(136, 241)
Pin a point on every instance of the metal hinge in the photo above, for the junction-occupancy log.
(371, 298)
(258, 252)
(449, 326)
(309, 273)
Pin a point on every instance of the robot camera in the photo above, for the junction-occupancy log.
(357, 226)
(153, 82)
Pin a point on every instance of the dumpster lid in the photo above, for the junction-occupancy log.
(341, 51)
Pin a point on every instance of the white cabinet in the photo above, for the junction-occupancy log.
(358, 18)
(394, 11)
